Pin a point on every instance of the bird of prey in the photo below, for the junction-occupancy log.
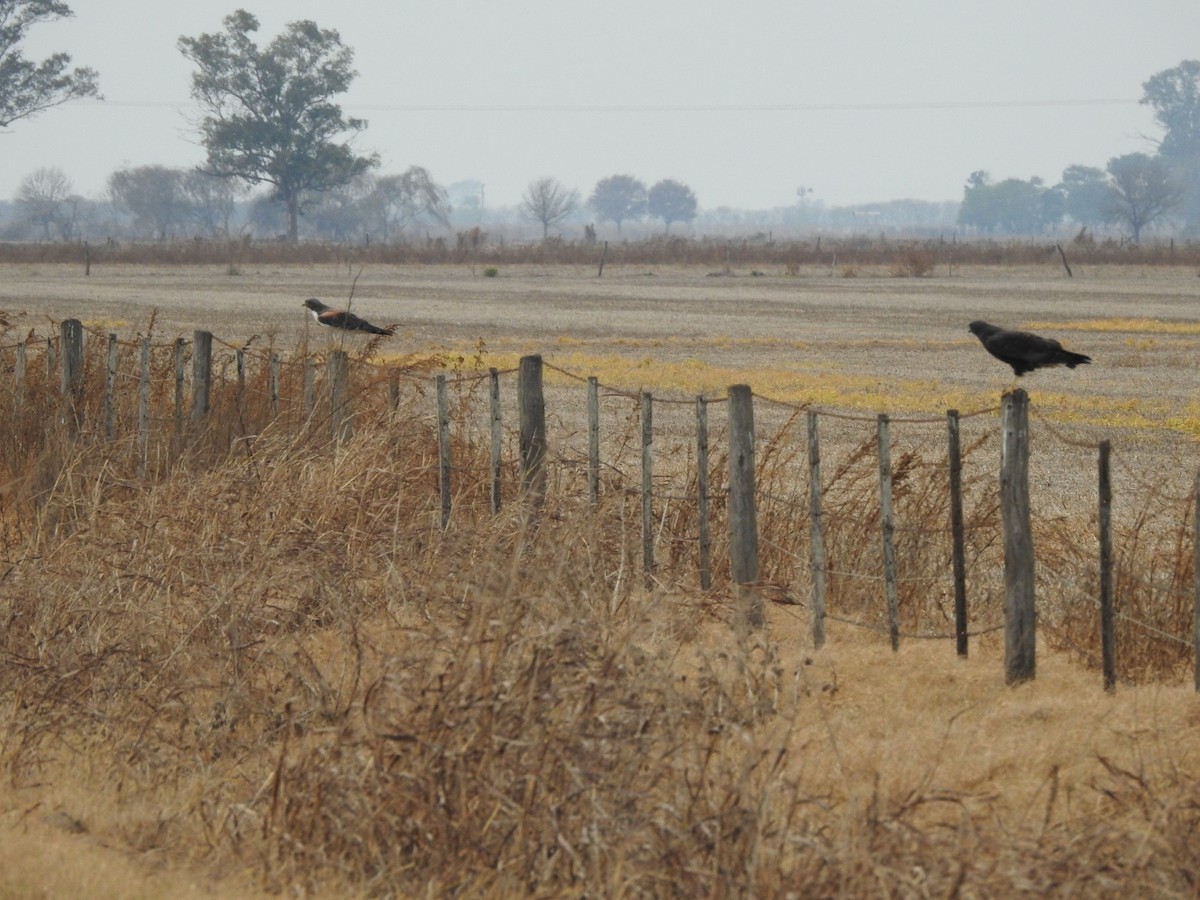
(342, 318)
(1024, 351)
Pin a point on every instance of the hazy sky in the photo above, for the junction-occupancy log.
(859, 100)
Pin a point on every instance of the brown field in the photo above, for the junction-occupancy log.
(264, 669)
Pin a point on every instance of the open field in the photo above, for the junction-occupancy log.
(271, 672)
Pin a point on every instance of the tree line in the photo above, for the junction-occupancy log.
(269, 121)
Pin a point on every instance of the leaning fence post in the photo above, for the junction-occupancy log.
(1020, 637)
(71, 332)
(1107, 637)
(816, 532)
(443, 440)
(702, 493)
(888, 527)
(531, 403)
(339, 395)
(496, 434)
(274, 385)
(958, 547)
(593, 413)
(743, 518)
(201, 376)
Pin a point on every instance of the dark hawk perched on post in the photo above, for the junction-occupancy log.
(1024, 351)
(342, 318)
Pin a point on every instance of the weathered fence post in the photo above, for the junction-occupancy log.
(71, 339)
(888, 528)
(647, 419)
(497, 435)
(309, 388)
(958, 552)
(144, 403)
(110, 386)
(1107, 637)
(180, 357)
(531, 403)
(816, 530)
(274, 385)
(1020, 637)
(1196, 588)
(443, 440)
(743, 516)
(702, 493)
(593, 414)
(201, 376)
(19, 376)
(339, 395)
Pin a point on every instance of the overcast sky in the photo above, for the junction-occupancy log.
(858, 100)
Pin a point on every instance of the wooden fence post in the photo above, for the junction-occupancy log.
(443, 440)
(497, 435)
(19, 376)
(201, 376)
(816, 532)
(743, 517)
(647, 420)
(1196, 588)
(180, 356)
(274, 385)
(339, 395)
(110, 386)
(531, 403)
(309, 389)
(958, 552)
(1020, 637)
(144, 404)
(1107, 636)
(702, 493)
(888, 528)
(71, 340)
(593, 414)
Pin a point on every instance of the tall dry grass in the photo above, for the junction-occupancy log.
(262, 658)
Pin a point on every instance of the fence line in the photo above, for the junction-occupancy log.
(740, 497)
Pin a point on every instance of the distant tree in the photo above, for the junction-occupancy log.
(1174, 95)
(1085, 191)
(1143, 191)
(671, 201)
(618, 198)
(1011, 206)
(212, 201)
(339, 214)
(28, 88)
(155, 197)
(397, 202)
(47, 199)
(270, 116)
(548, 202)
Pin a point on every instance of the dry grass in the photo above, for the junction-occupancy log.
(258, 664)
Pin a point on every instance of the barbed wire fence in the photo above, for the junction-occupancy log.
(793, 532)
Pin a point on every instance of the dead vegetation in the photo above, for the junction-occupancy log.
(260, 658)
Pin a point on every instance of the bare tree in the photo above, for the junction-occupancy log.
(211, 201)
(46, 198)
(1143, 191)
(398, 202)
(548, 202)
